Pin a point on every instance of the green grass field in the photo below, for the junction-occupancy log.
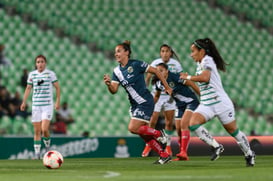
(230, 168)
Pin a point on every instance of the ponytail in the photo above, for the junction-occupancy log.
(211, 50)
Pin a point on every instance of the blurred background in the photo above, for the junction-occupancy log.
(78, 38)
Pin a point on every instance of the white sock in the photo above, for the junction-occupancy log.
(37, 148)
(205, 136)
(243, 143)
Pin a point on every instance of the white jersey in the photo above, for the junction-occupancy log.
(173, 65)
(212, 92)
(42, 84)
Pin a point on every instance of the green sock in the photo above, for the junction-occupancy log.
(169, 132)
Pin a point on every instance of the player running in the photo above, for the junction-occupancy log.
(214, 99)
(130, 75)
(163, 103)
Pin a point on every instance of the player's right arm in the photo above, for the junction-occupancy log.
(26, 94)
(112, 85)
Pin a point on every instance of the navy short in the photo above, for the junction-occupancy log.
(181, 109)
(143, 111)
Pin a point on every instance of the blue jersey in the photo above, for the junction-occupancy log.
(131, 77)
(182, 94)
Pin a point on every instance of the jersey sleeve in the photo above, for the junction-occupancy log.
(115, 78)
(179, 68)
(176, 78)
(142, 66)
(30, 79)
(53, 77)
(207, 64)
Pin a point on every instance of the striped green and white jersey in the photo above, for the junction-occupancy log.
(42, 84)
(212, 92)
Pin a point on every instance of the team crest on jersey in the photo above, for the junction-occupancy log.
(130, 69)
(171, 84)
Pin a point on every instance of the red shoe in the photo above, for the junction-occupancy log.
(183, 156)
(146, 151)
(168, 149)
(177, 159)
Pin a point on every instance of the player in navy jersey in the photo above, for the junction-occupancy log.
(214, 99)
(167, 55)
(130, 75)
(186, 102)
(42, 81)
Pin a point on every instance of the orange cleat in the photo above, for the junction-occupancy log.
(183, 156)
(177, 159)
(146, 151)
(168, 149)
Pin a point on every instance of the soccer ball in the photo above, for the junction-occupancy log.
(53, 159)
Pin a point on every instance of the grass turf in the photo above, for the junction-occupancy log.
(198, 168)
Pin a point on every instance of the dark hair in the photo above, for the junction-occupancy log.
(211, 50)
(172, 51)
(155, 78)
(39, 56)
(163, 65)
(126, 46)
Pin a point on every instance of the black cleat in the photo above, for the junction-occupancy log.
(216, 152)
(163, 160)
(250, 160)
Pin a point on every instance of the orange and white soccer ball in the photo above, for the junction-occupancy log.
(53, 159)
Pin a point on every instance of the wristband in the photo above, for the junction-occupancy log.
(188, 77)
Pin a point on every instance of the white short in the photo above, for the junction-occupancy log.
(42, 113)
(165, 103)
(223, 110)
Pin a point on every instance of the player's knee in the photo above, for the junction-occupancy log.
(133, 129)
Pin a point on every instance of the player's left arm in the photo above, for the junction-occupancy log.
(58, 95)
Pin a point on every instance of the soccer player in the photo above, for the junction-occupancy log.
(214, 100)
(166, 54)
(42, 81)
(130, 75)
(186, 102)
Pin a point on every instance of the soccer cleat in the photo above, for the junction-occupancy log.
(250, 160)
(168, 150)
(163, 138)
(146, 151)
(163, 160)
(216, 152)
(179, 159)
(183, 156)
(176, 159)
